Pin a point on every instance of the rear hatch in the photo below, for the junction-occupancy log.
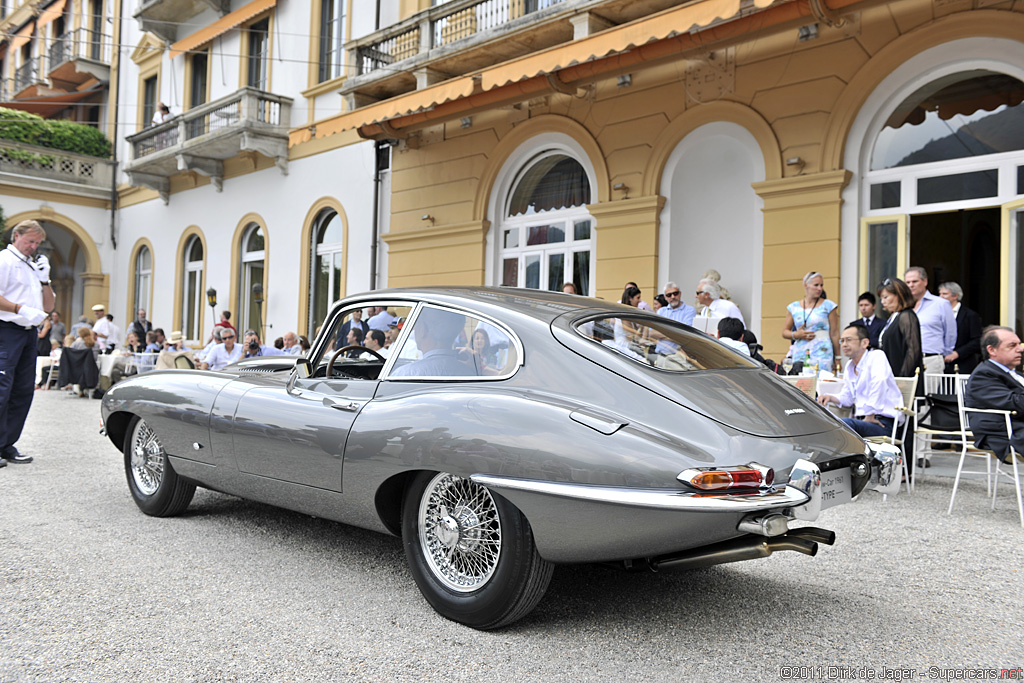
(719, 383)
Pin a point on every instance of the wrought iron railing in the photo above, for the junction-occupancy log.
(243, 108)
(53, 164)
(437, 27)
(79, 44)
(26, 74)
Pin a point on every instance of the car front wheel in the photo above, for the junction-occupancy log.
(471, 552)
(155, 486)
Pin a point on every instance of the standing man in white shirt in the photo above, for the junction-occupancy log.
(101, 326)
(25, 296)
(938, 324)
(709, 295)
(868, 386)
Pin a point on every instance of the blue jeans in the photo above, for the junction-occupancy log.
(865, 428)
(17, 379)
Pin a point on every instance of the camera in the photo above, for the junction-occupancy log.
(254, 345)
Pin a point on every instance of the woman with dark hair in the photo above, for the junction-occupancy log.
(901, 336)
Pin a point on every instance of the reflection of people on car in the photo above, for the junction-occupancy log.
(480, 353)
(433, 332)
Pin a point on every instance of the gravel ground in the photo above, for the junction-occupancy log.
(93, 590)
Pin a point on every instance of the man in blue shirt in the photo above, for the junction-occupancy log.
(997, 383)
(938, 324)
(676, 310)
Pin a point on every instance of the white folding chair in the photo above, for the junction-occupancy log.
(988, 455)
(54, 370)
(928, 436)
(908, 388)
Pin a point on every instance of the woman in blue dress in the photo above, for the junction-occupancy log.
(812, 324)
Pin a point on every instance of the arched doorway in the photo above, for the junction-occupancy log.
(712, 217)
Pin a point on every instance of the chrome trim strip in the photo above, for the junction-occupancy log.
(650, 498)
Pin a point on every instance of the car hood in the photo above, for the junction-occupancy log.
(751, 400)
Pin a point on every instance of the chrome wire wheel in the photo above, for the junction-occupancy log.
(459, 532)
(147, 459)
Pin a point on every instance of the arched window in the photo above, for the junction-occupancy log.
(327, 258)
(250, 303)
(143, 278)
(965, 114)
(192, 292)
(545, 231)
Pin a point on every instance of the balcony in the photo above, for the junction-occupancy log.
(162, 17)
(26, 76)
(53, 170)
(78, 56)
(201, 139)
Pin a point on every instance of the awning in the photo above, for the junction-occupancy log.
(51, 104)
(51, 13)
(22, 36)
(221, 26)
(680, 20)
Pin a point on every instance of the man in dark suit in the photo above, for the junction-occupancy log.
(967, 352)
(997, 383)
(875, 325)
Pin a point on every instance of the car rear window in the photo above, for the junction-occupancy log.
(663, 344)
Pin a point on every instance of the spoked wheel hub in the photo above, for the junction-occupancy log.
(460, 532)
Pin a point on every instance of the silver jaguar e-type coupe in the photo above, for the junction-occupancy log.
(501, 432)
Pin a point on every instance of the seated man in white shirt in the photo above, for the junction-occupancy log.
(375, 341)
(709, 295)
(223, 354)
(868, 386)
(730, 333)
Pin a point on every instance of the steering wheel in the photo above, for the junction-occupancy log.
(346, 349)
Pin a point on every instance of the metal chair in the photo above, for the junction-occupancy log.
(908, 389)
(927, 436)
(988, 455)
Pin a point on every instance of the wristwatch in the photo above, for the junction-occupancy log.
(48, 283)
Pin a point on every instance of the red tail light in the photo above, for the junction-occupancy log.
(751, 476)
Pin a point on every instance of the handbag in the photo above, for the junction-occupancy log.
(940, 412)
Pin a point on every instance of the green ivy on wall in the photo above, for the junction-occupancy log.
(19, 126)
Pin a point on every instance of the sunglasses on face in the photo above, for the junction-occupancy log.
(675, 293)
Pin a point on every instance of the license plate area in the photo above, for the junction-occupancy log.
(836, 487)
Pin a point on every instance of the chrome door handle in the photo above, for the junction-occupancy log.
(349, 407)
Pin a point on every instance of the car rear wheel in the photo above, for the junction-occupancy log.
(155, 486)
(471, 552)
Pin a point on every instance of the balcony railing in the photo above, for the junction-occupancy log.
(80, 44)
(199, 140)
(27, 74)
(52, 164)
(438, 27)
(243, 108)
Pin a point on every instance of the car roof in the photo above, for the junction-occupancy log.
(532, 303)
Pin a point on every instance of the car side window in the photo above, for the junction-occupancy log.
(453, 344)
(367, 333)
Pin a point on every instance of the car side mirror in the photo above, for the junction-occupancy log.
(303, 368)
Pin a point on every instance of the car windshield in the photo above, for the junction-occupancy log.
(663, 344)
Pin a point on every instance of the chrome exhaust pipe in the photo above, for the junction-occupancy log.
(813, 533)
(736, 550)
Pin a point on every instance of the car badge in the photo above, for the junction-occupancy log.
(794, 411)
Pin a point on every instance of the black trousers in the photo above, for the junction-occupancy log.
(17, 379)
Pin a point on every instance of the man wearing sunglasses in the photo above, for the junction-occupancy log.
(223, 354)
(677, 309)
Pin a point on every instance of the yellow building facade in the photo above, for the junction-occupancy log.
(743, 141)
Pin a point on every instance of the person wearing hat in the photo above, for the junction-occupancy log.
(101, 328)
(25, 296)
(176, 342)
